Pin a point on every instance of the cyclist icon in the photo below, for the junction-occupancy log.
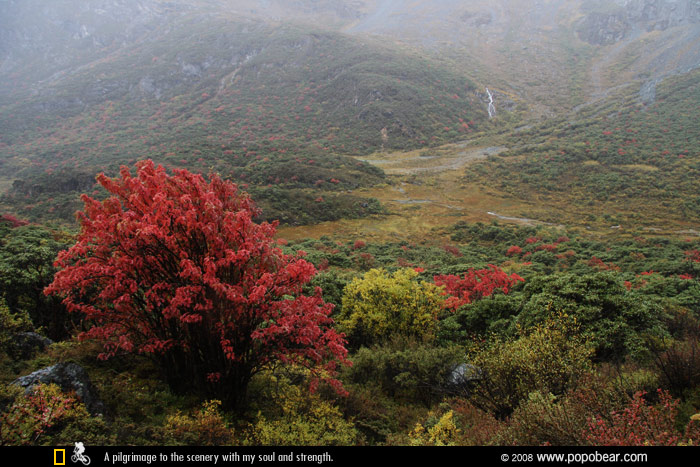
(78, 455)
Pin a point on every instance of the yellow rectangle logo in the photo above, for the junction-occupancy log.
(59, 457)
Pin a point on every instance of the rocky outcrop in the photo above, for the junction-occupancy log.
(603, 29)
(463, 375)
(477, 19)
(624, 17)
(71, 377)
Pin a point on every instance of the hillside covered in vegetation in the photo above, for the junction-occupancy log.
(363, 223)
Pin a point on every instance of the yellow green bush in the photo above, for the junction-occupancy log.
(303, 420)
(442, 433)
(206, 427)
(549, 358)
(381, 305)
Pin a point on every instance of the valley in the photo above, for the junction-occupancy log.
(424, 191)
(350, 222)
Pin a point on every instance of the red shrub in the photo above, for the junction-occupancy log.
(12, 220)
(475, 284)
(453, 250)
(514, 250)
(693, 255)
(640, 424)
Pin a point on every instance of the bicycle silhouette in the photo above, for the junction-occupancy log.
(78, 455)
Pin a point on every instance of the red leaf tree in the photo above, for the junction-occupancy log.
(173, 267)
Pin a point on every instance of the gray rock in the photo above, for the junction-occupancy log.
(621, 18)
(463, 374)
(604, 28)
(70, 377)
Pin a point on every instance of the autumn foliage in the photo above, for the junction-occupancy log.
(12, 221)
(693, 255)
(476, 284)
(173, 267)
(641, 424)
(380, 305)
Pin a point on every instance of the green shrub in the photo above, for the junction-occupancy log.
(560, 420)
(618, 322)
(302, 420)
(11, 324)
(406, 369)
(549, 358)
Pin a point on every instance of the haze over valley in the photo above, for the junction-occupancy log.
(492, 208)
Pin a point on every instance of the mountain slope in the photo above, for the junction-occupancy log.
(228, 86)
(264, 104)
(618, 162)
(553, 54)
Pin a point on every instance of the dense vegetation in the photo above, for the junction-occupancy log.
(198, 325)
(502, 334)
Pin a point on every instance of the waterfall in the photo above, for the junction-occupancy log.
(492, 108)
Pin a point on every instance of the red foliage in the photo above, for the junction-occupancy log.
(175, 268)
(358, 244)
(364, 261)
(323, 264)
(476, 284)
(693, 255)
(28, 419)
(12, 220)
(640, 424)
(514, 250)
(598, 263)
(566, 255)
(453, 250)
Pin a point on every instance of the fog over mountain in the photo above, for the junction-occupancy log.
(104, 82)
(519, 44)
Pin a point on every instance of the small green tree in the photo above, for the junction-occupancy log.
(550, 358)
(27, 254)
(10, 324)
(618, 322)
